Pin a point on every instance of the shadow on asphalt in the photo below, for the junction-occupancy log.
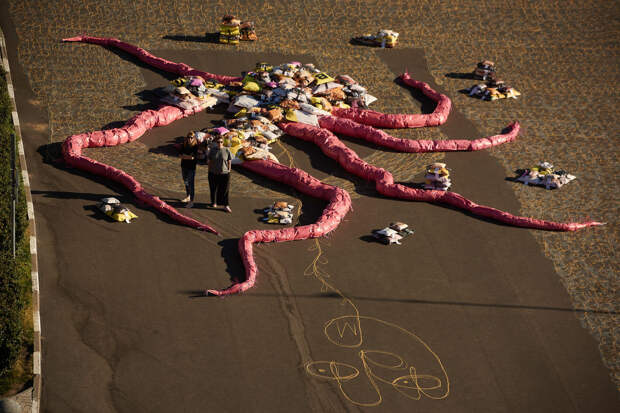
(207, 38)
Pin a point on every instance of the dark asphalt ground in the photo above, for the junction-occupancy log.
(471, 305)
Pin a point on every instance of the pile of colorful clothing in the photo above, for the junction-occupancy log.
(544, 175)
(113, 208)
(393, 233)
(267, 95)
(279, 213)
(188, 93)
(494, 89)
(232, 30)
(437, 177)
(384, 38)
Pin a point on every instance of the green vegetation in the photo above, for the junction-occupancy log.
(16, 330)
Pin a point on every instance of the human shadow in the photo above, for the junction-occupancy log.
(207, 38)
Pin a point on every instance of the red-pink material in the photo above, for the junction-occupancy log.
(353, 129)
(132, 130)
(340, 201)
(334, 212)
(180, 69)
(348, 159)
(402, 121)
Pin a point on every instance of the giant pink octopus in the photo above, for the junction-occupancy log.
(352, 122)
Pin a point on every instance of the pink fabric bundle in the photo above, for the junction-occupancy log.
(334, 212)
(348, 159)
(402, 121)
(132, 130)
(180, 69)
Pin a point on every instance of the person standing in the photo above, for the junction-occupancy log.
(219, 161)
(189, 158)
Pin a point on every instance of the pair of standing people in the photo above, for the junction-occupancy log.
(219, 162)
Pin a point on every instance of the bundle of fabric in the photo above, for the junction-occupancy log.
(252, 153)
(257, 129)
(393, 233)
(383, 38)
(229, 30)
(113, 208)
(544, 175)
(279, 213)
(292, 91)
(437, 177)
(485, 70)
(188, 93)
(494, 89)
(248, 32)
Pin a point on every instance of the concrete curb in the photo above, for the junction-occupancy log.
(36, 359)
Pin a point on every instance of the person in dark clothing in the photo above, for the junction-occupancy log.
(219, 161)
(188, 167)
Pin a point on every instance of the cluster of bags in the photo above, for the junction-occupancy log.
(232, 30)
(279, 213)
(384, 38)
(494, 89)
(247, 139)
(544, 175)
(190, 92)
(393, 234)
(265, 96)
(437, 177)
(113, 208)
(294, 92)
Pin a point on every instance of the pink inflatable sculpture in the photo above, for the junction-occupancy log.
(354, 122)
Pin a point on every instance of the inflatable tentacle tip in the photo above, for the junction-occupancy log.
(213, 292)
(73, 39)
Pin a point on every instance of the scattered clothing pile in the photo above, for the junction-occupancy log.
(232, 30)
(485, 70)
(279, 213)
(113, 208)
(383, 38)
(268, 95)
(544, 175)
(393, 234)
(187, 93)
(437, 177)
(494, 89)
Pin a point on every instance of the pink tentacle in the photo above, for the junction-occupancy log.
(378, 137)
(180, 69)
(334, 212)
(348, 159)
(132, 130)
(402, 121)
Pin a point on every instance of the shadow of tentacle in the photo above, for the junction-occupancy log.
(180, 69)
